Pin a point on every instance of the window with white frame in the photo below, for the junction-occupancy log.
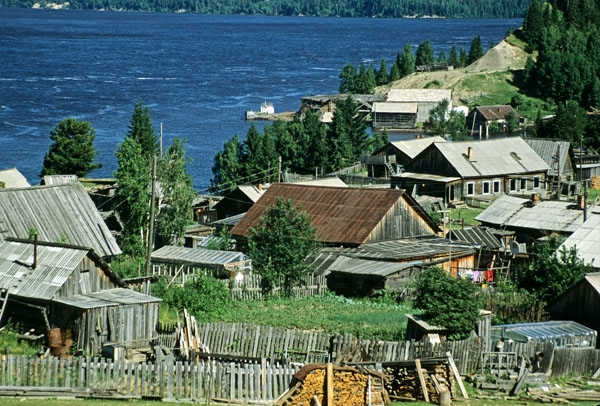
(523, 184)
(537, 181)
(487, 187)
(513, 185)
(496, 186)
(470, 188)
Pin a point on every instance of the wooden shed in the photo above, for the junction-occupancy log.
(71, 290)
(182, 263)
(346, 217)
(577, 301)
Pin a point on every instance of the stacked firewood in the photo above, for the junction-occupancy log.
(402, 380)
(349, 387)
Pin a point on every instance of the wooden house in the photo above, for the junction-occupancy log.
(62, 213)
(557, 154)
(396, 155)
(533, 218)
(424, 99)
(71, 292)
(459, 171)
(183, 263)
(345, 216)
(12, 178)
(324, 105)
(481, 118)
(576, 303)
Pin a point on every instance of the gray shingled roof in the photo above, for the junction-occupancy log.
(414, 147)
(586, 239)
(54, 266)
(196, 256)
(359, 266)
(499, 157)
(547, 215)
(547, 149)
(55, 213)
(477, 235)
(106, 298)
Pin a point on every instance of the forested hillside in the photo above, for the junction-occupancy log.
(322, 8)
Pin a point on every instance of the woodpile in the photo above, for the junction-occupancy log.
(422, 379)
(189, 341)
(320, 384)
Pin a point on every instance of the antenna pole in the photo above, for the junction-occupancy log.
(151, 225)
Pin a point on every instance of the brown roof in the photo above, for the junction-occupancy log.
(493, 113)
(340, 215)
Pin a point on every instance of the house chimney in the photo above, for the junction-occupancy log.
(470, 152)
(260, 186)
(535, 198)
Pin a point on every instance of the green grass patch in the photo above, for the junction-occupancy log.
(465, 216)
(367, 318)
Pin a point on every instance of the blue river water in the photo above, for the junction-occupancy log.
(198, 74)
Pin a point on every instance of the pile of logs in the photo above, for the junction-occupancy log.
(419, 379)
(320, 384)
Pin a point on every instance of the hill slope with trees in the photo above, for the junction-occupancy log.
(321, 8)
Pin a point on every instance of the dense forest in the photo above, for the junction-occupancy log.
(321, 8)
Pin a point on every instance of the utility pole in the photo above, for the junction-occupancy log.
(279, 171)
(151, 225)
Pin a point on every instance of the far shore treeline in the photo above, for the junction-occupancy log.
(318, 8)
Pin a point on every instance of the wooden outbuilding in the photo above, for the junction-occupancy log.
(71, 294)
(346, 217)
(577, 301)
(12, 178)
(481, 118)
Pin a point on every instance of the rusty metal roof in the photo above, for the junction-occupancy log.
(54, 266)
(493, 113)
(56, 213)
(340, 215)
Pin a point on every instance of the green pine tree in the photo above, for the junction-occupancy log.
(72, 151)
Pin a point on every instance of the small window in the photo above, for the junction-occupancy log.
(496, 186)
(536, 182)
(523, 184)
(487, 187)
(513, 185)
(470, 189)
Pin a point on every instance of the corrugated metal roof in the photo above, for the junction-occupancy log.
(56, 212)
(594, 280)
(340, 215)
(332, 181)
(107, 298)
(229, 221)
(544, 330)
(499, 157)
(586, 239)
(419, 95)
(359, 266)
(414, 147)
(412, 249)
(395, 107)
(477, 235)
(547, 215)
(54, 266)
(196, 256)
(12, 178)
(253, 192)
(58, 179)
(547, 149)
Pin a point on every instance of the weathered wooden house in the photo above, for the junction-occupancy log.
(458, 171)
(576, 303)
(345, 217)
(324, 105)
(482, 118)
(557, 154)
(183, 263)
(531, 219)
(396, 155)
(239, 200)
(61, 213)
(71, 290)
(586, 240)
(12, 178)
(425, 100)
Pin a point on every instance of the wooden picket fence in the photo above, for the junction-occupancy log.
(209, 380)
(250, 287)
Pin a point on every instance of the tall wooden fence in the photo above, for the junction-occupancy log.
(211, 380)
